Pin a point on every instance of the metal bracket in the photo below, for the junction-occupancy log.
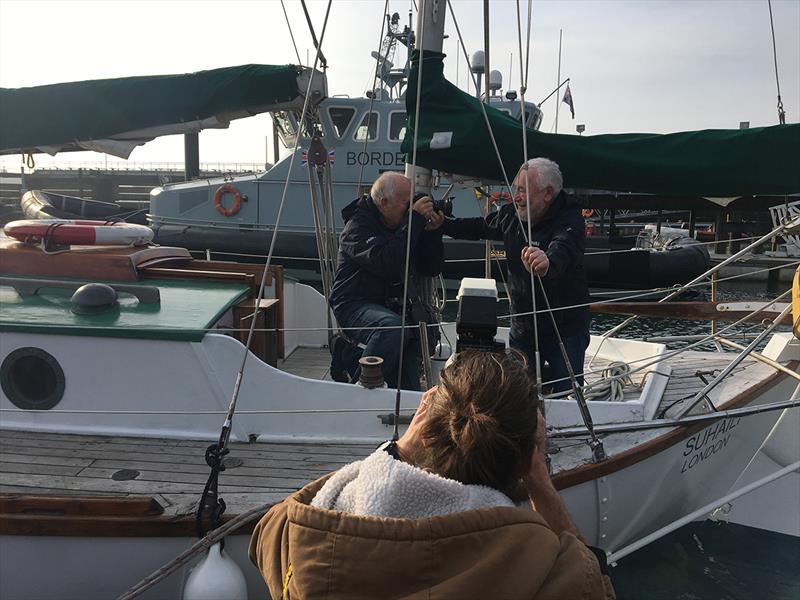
(388, 419)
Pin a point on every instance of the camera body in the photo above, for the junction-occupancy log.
(443, 205)
(476, 323)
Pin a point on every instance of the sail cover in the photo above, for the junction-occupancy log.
(116, 115)
(453, 137)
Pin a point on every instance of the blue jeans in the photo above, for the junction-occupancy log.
(549, 352)
(386, 343)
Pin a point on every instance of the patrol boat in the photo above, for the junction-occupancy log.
(340, 149)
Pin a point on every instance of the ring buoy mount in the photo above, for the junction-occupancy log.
(228, 188)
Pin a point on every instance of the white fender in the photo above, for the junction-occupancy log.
(216, 577)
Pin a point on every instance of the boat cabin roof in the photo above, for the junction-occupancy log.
(185, 310)
(155, 299)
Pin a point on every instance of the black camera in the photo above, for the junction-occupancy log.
(444, 205)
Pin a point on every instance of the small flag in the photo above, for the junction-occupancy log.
(568, 99)
(304, 157)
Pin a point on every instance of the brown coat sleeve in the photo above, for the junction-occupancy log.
(576, 574)
(268, 548)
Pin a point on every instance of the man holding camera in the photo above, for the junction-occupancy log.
(555, 254)
(368, 287)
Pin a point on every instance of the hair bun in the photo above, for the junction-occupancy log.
(472, 431)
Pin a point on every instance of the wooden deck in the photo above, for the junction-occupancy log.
(173, 472)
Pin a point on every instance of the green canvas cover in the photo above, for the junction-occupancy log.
(712, 163)
(56, 116)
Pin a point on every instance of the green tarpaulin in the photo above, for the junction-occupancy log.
(453, 137)
(59, 117)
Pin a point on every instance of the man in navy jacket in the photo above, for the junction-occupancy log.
(368, 286)
(555, 254)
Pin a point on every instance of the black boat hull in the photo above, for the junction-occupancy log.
(628, 269)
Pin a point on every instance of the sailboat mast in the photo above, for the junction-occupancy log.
(430, 36)
(487, 259)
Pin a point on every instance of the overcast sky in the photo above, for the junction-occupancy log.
(635, 66)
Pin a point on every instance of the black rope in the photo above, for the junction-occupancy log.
(211, 506)
(47, 237)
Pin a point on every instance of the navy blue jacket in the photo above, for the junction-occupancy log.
(371, 262)
(561, 233)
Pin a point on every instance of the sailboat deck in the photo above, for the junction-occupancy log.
(689, 369)
(173, 472)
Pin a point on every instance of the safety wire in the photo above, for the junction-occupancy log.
(216, 452)
(396, 432)
(595, 444)
(372, 95)
(649, 361)
(483, 110)
(523, 78)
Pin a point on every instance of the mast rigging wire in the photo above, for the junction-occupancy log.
(317, 44)
(781, 112)
(396, 432)
(291, 34)
(210, 501)
(372, 95)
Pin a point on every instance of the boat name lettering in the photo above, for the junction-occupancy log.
(708, 442)
(383, 159)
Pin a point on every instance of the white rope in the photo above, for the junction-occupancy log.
(611, 388)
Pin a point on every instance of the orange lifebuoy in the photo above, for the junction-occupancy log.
(587, 212)
(237, 200)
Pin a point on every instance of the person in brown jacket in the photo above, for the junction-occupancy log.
(431, 516)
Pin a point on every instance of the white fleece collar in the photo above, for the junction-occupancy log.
(381, 486)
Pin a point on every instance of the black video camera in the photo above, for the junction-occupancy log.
(444, 205)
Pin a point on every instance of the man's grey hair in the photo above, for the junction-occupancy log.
(547, 173)
(385, 186)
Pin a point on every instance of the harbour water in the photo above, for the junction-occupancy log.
(712, 561)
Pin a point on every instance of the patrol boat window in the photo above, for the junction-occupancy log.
(341, 116)
(397, 125)
(368, 127)
(286, 126)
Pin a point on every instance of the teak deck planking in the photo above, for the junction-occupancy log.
(173, 472)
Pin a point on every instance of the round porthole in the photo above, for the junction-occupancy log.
(32, 379)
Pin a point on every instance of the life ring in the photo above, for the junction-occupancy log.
(587, 212)
(237, 200)
(84, 233)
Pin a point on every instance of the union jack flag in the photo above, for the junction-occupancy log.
(304, 157)
(568, 100)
